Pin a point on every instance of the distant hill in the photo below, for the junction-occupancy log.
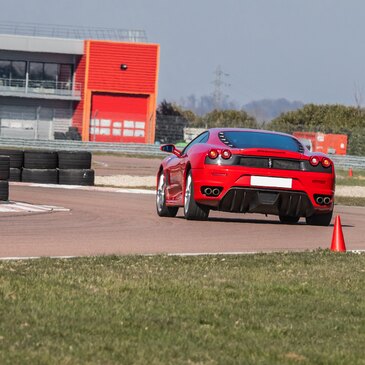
(263, 110)
(267, 109)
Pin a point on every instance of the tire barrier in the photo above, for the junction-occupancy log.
(77, 177)
(16, 157)
(46, 167)
(40, 160)
(15, 174)
(4, 167)
(72, 134)
(74, 160)
(4, 190)
(42, 176)
(4, 176)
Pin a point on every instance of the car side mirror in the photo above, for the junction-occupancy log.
(170, 148)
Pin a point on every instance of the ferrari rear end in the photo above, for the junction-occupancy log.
(266, 172)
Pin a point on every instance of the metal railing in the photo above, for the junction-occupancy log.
(47, 87)
(72, 32)
(347, 161)
(123, 148)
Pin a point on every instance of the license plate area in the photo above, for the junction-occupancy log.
(271, 182)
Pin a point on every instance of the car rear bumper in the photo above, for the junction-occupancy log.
(238, 194)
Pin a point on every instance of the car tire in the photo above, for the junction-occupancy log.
(74, 160)
(4, 191)
(287, 219)
(85, 177)
(320, 219)
(16, 157)
(162, 209)
(193, 210)
(4, 167)
(41, 176)
(15, 174)
(40, 160)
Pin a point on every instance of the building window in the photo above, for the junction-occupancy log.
(5, 69)
(65, 76)
(12, 73)
(17, 73)
(50, 75)
(35, 70)
(18, 70)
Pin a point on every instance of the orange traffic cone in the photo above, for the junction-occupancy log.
(350, 172)
(338, 242)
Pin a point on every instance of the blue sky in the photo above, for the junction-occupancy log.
(306, 50)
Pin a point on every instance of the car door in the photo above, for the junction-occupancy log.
(172, 177)
(183, 161)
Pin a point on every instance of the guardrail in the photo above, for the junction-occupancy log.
(345, 162)
(354, 162)
(124, 148)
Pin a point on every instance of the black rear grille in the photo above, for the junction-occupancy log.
(286, 164)
(265, 162)
(254, 162)
(266, 201)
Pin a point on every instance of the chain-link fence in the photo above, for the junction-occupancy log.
(170, 129)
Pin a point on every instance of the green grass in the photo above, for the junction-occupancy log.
(350, 201)
(285, 308)
(358, 178)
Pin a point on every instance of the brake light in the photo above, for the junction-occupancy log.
(326, 162)
(213, 154)
(314, 161)
(226, 154)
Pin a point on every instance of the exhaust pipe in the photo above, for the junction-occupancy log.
(326, 200)
(216, 192)
(208, 191)
(319, 200)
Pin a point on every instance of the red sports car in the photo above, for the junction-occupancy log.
(246, 171)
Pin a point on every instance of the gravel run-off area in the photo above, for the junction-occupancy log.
(150, 181)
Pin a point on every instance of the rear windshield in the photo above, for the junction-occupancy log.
(240, 139)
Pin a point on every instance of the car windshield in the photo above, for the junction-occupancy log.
(244, 139)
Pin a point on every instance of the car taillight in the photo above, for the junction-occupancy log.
(226, 154)
(314, 161)
(213, 154)
(326, 162)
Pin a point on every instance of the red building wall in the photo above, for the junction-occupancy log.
(106, 59)
(116, 95)
(80, 80)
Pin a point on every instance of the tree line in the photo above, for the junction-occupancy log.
(337, 119)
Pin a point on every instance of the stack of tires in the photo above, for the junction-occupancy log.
(40, 167)
(16, 163)
(45, 167)
(74, 168)
(72, 134)
(4, 177)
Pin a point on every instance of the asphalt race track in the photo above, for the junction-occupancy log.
(126, 223)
